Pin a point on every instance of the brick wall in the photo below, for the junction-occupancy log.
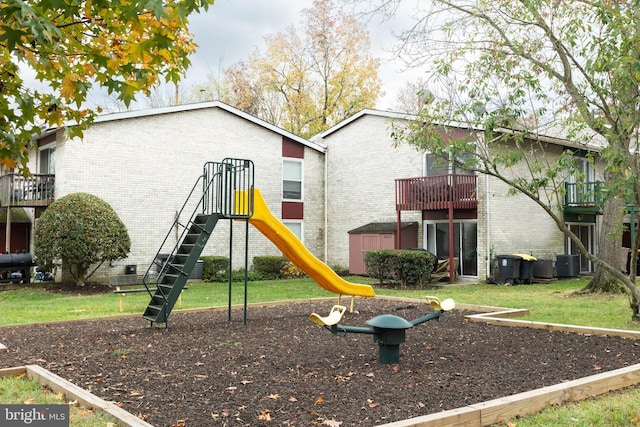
(144, 168)
(363, 165)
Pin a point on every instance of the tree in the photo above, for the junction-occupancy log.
(411, 97)
(71, 47)
(78, 232)
(306, 83)
(531, 65)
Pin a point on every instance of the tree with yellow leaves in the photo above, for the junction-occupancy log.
(307, 83)
(73, 46)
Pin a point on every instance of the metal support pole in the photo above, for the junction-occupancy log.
(230, 268)
(452, 266)
(399, 232)
(246, 267)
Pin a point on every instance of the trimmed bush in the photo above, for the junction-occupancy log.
(79, 232)
(270, 267)
(407, 268)
(215, 268)
(340, 270)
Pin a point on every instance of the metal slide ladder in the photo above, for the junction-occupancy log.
(211, 199)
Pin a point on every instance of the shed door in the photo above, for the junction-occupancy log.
(368, 242)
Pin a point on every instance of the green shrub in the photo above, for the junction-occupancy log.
(270, 267)
(215, 268)
(407, 268)
(238, 276)
(79, 232)
(340, 270)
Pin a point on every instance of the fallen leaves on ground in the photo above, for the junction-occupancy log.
(265, 415)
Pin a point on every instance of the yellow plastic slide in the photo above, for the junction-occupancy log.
(297, 253)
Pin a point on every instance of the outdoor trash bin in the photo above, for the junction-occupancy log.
(526, 267)
(508, 268)
(543, 269)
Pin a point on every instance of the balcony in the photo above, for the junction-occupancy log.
(582, 197)
(27, 191)
(436, 192)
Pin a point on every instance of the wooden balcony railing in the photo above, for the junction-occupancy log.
(27, 191)
(436, 192)
(583, 197)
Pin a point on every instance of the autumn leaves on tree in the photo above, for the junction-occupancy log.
(306, 82)
(71, 47)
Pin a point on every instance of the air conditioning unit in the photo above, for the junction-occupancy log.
(567, 265)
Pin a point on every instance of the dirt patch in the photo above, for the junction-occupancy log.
(282, 369)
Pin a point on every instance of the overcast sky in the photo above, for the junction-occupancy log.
(231, 29)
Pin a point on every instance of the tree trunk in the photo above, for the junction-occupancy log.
(609, 249)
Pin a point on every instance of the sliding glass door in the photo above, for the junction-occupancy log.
(465, 243)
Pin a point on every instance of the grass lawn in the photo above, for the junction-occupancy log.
(554, 303)
(23, 390)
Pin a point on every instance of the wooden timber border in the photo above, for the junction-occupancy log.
(511, 407)
(74, 393)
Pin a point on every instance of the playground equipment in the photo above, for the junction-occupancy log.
(225, 190)
(388, 330)
(295, 251)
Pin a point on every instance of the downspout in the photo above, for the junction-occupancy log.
(487, 198)
(326, 201)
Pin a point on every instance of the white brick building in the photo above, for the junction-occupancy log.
(144, 163)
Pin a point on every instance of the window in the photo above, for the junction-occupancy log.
(436, 165)
(47, 161)
(581, 186)
(295, 227)
(292, 179)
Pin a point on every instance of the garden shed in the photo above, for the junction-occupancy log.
(378, 235)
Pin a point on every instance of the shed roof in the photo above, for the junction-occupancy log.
(381, 227)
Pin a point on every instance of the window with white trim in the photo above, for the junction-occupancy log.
(292, 179)
(437, 165)
(47, 160)
(295, 227)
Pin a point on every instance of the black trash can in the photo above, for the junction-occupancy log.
(543, 269)
(526, 267)
(196, 273)
(508, 268)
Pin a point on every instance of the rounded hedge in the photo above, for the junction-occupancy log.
(79, 232)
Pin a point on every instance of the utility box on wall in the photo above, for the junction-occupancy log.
(378, 235)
